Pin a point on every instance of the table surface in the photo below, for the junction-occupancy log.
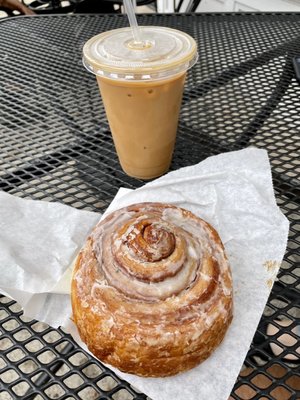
(55, 145)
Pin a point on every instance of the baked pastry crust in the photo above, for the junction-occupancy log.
(152, 290)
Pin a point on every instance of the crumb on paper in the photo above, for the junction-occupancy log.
(270, 283)
(271, 265)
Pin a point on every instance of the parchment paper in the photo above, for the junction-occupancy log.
(232, 191)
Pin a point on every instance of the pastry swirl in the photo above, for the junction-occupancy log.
(152, 290)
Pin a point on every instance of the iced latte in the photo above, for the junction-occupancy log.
(142, 90)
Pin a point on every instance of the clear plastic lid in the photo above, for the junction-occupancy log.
(165, 52)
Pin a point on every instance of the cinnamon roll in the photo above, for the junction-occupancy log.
(152, 290)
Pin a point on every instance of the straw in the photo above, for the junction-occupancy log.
(133, 22)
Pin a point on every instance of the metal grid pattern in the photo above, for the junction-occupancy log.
(39, 362)
(55, 145)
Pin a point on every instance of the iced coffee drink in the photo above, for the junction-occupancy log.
(141, 89)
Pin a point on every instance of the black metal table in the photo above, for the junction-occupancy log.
(55, 145)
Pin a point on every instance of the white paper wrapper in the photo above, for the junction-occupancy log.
(38, 241)
(232, 191)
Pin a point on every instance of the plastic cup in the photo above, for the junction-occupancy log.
(141, 88)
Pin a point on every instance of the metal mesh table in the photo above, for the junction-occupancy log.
(55, 145)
